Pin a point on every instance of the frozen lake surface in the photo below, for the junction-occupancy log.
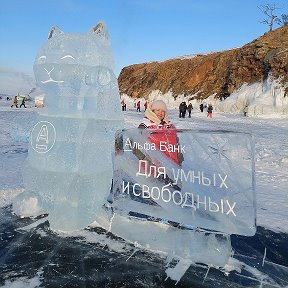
(33, 256)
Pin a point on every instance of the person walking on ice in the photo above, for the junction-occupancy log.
(145, 105)
(190, 108)
(123, 104)
(182, 109)
(201, 106)
(209, 111)
(14, 102)
(23, 103)
(138, 106)
(245, 110)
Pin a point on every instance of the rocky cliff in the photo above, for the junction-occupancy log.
(219, 73)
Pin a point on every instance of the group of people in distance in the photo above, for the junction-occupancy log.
(136, 105)
(209, 109)
(183, 108)
(15, 102)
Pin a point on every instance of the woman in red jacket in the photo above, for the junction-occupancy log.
(165, 133)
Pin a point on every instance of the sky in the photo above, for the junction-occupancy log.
(140, 30)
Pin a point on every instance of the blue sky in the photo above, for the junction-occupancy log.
(140, 30)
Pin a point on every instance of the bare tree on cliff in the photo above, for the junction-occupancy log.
(271, 17)
(283, 20)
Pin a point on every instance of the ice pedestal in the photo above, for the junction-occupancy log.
(195, 246)
(69, 165)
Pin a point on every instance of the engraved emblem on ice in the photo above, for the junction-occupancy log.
(43, 137)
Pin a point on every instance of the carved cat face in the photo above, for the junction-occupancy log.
(75, 66)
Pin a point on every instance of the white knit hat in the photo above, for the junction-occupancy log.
(159, 104)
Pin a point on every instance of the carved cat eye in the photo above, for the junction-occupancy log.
(67, 56)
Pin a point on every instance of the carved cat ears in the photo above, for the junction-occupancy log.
(99, 29)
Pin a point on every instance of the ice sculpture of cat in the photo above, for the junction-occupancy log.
(68, 170)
